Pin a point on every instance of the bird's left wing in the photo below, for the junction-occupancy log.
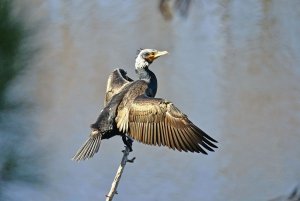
(156, 121)
(115, 83)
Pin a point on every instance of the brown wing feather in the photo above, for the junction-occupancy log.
(164, 124)
(115, 83)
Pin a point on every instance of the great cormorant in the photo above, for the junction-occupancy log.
(131, 111)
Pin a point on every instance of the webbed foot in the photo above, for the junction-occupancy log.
(127, 141)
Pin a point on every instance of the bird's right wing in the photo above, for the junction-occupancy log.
(115, 83)
(156, 121)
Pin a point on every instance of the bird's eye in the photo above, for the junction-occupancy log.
(146, 54)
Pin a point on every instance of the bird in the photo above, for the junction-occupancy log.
(132, 112)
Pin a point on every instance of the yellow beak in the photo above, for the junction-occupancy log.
(160, 53)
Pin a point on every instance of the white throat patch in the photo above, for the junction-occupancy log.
(140, 63)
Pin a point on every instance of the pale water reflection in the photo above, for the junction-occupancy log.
(233, 68)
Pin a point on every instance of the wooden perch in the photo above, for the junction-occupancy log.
(114, 185)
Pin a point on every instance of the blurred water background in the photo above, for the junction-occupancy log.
(233, 68)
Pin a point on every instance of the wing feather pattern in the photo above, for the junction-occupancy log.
(156, 121)
(117, 80)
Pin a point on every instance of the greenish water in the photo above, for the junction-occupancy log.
(17, 164)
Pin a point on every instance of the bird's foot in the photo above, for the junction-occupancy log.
(130, 147)
(128, 142)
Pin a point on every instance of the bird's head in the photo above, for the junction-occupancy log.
(146, 56)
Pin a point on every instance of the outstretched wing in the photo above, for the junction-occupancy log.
(115, 83)
(156, 121)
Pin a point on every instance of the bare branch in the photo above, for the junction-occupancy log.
(114, 185)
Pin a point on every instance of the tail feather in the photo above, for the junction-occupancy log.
(89, 148)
